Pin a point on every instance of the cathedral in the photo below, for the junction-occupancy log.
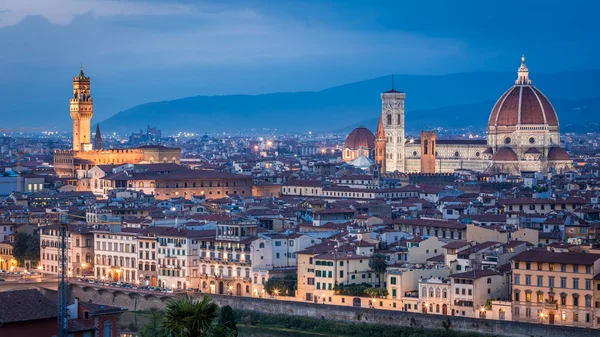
(523, 136)
(83, 155)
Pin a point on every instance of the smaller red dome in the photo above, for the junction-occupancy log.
(558, 153)
(505, 154)
(360, 137)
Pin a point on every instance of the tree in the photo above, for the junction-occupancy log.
(378, 265)
(190, 318)
(153, 327)
(26, 247)
(227, 321)
(279, 286)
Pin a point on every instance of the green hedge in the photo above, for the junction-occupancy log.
(311, 324)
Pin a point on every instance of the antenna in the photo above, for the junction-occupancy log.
(62, 283)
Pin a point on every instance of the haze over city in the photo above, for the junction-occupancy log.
(147, 51)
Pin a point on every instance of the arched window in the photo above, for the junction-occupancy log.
(425, 143)
(424, 292)
(437, 292)
(141, 184)
(261, 245)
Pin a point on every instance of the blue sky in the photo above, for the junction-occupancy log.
(140, 51)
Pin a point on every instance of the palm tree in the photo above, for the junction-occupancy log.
(378, 266)
(190, 318)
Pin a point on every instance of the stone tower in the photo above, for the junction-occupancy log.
(428, 149)
(82, 109)
(392, 114)
(98, 138)
(380, 145)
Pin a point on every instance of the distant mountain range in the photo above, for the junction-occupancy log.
(450, 101)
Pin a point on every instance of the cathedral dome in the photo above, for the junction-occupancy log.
(522, 104)
(360, 137)
(505, 154)
(556, 154)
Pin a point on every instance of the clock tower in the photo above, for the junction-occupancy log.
(82, 109)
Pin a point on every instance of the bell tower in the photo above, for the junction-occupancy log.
(380, 145)
(392, 115)
(81, 109)
(428, 150)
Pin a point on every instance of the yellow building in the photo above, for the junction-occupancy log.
(554, 288)
(320, 268)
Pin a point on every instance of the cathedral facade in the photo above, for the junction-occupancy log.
(83, 155)
(523, 136)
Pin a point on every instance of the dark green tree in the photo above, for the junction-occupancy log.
(227, 321)
(26, 247)
(378, 265)
(191, 318)
(153, 327)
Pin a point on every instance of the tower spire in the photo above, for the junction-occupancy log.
(393, 82)
(523, 73)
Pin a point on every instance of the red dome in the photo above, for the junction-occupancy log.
(505, 154)
(360, 137)
(523, 104)
(557, 153)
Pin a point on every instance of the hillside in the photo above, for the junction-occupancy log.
(452, 101)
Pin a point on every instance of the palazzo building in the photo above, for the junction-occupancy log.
(83, 155)
(523, 136)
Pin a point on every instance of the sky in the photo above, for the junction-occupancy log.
(139, 51)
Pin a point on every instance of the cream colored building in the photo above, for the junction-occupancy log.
(319, 271)
(471, 291)
(116, 254)
(555, 288)
(80, 250)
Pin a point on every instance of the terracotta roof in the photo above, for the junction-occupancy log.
(522, 104)
(558, 153)
(475, 274)
(567, 257)
(505, 154)
(25, 305)
(360, 137)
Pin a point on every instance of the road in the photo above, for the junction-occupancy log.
(48, 283)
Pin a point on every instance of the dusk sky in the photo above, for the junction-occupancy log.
(158, 49)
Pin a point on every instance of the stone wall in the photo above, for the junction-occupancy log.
(135, 301)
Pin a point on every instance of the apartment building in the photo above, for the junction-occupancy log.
(554, 288)
(80, 250)
(116, 253)
(472, 289)
(225, 259)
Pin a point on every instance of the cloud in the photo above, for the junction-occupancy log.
(62, 12)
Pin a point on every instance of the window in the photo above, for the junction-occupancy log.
(540, 281)
(528, 266)
(540, 297)
(107, 329)
(540, 265)
(393, 280)
(516, 265)
(575, 283)
(517, 279)
(575, 268)
(528, 280)
(563, 268)
(563, 282)
(551, 281)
